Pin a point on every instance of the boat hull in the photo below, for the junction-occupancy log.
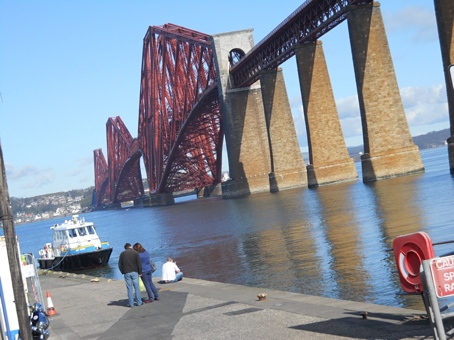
(80, 261)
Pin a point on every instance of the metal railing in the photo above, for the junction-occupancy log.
(31, 276)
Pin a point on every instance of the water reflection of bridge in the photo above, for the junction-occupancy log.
(197, 90)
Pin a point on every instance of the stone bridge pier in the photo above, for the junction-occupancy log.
(262, 146)
(261, 142)
(389, 150)
(328, 155)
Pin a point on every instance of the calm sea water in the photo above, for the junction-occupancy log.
(333, 241)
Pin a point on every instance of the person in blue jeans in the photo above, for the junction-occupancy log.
(147, 271)
(130, 266)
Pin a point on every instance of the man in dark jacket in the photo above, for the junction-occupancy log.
(131, 267)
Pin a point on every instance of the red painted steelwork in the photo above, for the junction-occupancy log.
(179, 112)
(125, 179)
(102, 194)
(180, 130)
(307, 23)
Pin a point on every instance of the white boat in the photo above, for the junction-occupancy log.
(76, 246)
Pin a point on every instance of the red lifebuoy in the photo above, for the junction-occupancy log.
(409, 252)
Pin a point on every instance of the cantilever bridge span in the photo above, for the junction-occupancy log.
(180, 132)
(124, 154)
(194, 87)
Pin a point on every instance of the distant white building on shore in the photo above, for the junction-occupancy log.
(225, 177)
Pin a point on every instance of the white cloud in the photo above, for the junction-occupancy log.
(85, 161)
(28, 178)
(298, 116)
(425, 105)
(81, 166)
(426, 109)
(418, 23)
(42, 180)
(351, 127)
(348, 107)
(14, 173)
(75, 172)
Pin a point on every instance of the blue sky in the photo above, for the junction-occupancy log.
(67, 66)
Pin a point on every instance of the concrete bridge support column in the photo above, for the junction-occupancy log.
(244, 122)
(444, 11)
(156, 200)
(389, 150)
(328, 155)
(214, 190)
(287, 165)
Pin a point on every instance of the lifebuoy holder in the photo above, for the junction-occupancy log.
(409, 252)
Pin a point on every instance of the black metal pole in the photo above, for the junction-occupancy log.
(12, 251)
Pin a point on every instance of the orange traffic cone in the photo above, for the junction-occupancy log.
(50, 306)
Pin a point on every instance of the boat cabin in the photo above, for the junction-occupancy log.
(72, 236)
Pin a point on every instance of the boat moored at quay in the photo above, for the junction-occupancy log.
(76, 246)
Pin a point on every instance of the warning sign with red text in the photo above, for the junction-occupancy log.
(443, 275)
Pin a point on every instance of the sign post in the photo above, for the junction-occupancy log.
(442, 269)
(430, 298)
(438, 281)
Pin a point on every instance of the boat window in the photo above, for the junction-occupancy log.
(72, 233)
(82, 231)
(91, 230)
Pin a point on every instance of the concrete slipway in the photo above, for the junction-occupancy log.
(96, 308)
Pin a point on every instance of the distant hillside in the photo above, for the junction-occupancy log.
(430, 140)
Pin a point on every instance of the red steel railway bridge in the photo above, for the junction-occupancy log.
(198, 90)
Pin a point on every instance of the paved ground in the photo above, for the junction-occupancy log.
(197, 309)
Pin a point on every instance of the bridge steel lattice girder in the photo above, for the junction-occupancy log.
(124, 162)
(177, 72)
(193, 163)
(307, 23)
(102, 194)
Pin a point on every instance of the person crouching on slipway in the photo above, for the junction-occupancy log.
(171, 272)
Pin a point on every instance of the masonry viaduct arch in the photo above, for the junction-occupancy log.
(261, 142)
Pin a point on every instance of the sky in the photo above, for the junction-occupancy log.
(67, 66)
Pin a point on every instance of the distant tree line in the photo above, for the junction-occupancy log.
(430, 140)
(38, 205)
